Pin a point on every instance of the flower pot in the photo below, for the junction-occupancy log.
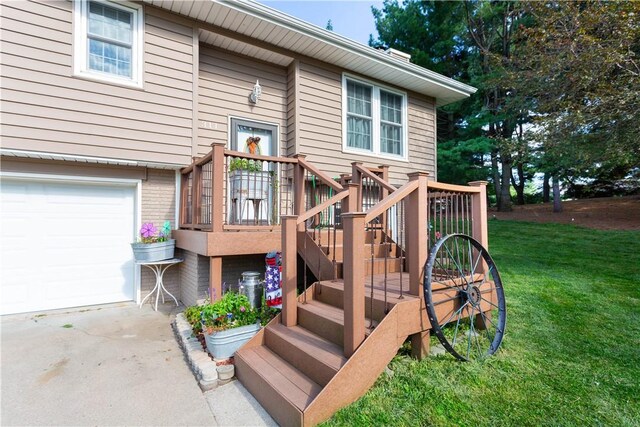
(224, 344)
(150, 252)
(250, 185)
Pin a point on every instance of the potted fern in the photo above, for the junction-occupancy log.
(154, 244)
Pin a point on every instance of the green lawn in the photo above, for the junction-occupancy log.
(571, 353)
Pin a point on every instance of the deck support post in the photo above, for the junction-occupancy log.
(420, 345)
(356, 178)
(299, 189)
(416, 225)
(354, 243)
(289, 270)
(215, 278)
(217, 186)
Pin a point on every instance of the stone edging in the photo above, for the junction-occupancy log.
(202, 365)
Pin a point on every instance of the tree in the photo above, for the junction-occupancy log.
(329, 25)
(471, 41)
(580, 62)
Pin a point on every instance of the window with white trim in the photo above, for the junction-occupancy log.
(375, 119)
(108, 41)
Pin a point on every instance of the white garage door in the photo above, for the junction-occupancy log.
(65, 244)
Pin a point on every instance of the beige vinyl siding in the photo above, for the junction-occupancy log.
(422, 134)
(46, 108)
(292, 94)
(225, 83)
(320, 127)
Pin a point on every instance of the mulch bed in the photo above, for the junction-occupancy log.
(607, 213)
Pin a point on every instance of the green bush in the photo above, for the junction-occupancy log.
(245, 165)
(231, 311)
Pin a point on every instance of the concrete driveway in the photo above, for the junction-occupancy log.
(106, 365)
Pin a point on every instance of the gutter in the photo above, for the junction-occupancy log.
(86, 159)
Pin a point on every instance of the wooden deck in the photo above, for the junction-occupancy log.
(226, 243)
(367, 244)
(300, 373)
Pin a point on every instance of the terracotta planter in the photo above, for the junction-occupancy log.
(224, 344)
(150, 252)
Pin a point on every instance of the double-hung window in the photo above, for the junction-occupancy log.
(375, 119)
(108, 41)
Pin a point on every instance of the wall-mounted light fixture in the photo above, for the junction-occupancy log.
(256, 92)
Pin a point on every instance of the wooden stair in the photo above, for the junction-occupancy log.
(300, 375)
(319, 248)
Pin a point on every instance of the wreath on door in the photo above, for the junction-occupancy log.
(253, 145)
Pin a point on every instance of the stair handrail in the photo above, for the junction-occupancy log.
(442, 186)
(323, 177)
(377, 179)
(386, 203)
(324, 205)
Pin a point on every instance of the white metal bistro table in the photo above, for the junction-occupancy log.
(159, 268)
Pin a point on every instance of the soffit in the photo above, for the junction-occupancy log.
(242, 48)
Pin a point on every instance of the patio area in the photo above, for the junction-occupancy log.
(108, 365)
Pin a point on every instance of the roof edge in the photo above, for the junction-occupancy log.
(282, 19)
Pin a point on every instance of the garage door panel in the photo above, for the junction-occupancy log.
(65, 244)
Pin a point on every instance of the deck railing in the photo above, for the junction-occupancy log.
(408, 222)
(258, 190)
(398, 224)
(231, 190)
(196, 196)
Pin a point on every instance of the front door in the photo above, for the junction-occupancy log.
(245, 132)
(254, 204)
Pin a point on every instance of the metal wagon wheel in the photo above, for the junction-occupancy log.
(464, 297)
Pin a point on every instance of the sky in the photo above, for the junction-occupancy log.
(352, 19)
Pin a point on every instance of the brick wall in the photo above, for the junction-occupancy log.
(158, 206)
(194, 278)
(234, 266)
(194, 273)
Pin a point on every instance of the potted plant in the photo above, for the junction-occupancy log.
(228, 323)
(248, 180)
(154, 244)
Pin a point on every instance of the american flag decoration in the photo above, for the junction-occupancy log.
(273, 280)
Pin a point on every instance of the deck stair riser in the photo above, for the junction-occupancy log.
(316, 357)
(323, 320)
(333, 294)
(282, 390)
